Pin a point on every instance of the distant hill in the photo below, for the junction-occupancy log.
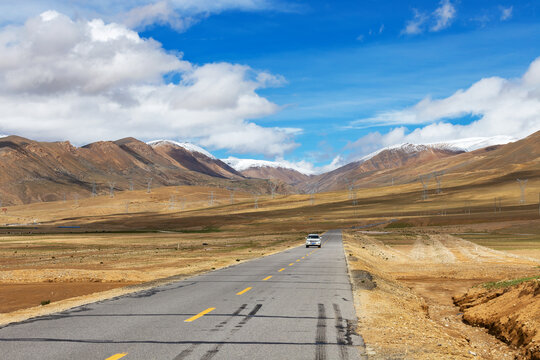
(273, 170)
(33, 171)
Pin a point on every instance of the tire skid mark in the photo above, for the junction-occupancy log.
(340, 333)
(212, 352)
(320, 337)
(190, 349)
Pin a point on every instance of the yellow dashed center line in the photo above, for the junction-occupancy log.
(298, 260)
(291, 264)
(303, 257)
(266, 278)
(280, 270)
(116, 356)
(244, 291)
(201, 314)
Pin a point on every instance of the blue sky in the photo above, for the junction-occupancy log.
(347, 77)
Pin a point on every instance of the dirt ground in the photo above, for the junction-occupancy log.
(509, 309)
(57, 267)
(409, 312)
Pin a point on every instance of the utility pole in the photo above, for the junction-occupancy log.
(312, 197)
(256, 206)
(171, 202)
(130, 184)
(211, 199)
(522, 185)
(94, 192)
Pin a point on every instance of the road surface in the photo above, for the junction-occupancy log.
(297, 304)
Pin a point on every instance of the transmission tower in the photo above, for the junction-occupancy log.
(211, 199)
(438, 179)
(148, 185)
(522, 185)
(130, 184)
(111, 188)
(424, 180)
(273, 187)
(94, 192)
(353, 196)
(312, 196)
(256, 205)
(172, 202)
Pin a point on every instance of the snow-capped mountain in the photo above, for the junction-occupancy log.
(244, 164)
(186, 145)
(460, 145)
(285, 171)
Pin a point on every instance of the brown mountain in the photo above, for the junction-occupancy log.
(47, 171)
(288, 176)
(407, 155)
(194, 160)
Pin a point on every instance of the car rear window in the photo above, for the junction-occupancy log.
(313, 236)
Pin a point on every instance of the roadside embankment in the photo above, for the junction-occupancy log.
(393, 320)
(510, 310)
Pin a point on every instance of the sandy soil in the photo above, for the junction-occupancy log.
(410, 313)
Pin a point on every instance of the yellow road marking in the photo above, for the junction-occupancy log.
(298, 260)
(116, 356)
(280, 270)
(201, 314)
(244, 291)
(303, 257)
(291, 264)
(266, 278)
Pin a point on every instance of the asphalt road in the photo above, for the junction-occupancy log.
(297, 304)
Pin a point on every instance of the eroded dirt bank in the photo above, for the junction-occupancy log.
(510, 311)
(404, 283)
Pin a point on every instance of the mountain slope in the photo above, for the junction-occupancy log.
(46, 171)
(194, 158)
(271, 170)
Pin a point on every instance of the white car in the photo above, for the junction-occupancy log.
(313, 240)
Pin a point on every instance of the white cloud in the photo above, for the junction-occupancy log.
(91, 80)
(506, 13)
(441, 19)
(179, 14)
(499, 106)
(443, 15)
(416, 25)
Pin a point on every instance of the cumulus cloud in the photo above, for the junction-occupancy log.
(497, 106)
(91, 80)
(506, 13)
(440, 19)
